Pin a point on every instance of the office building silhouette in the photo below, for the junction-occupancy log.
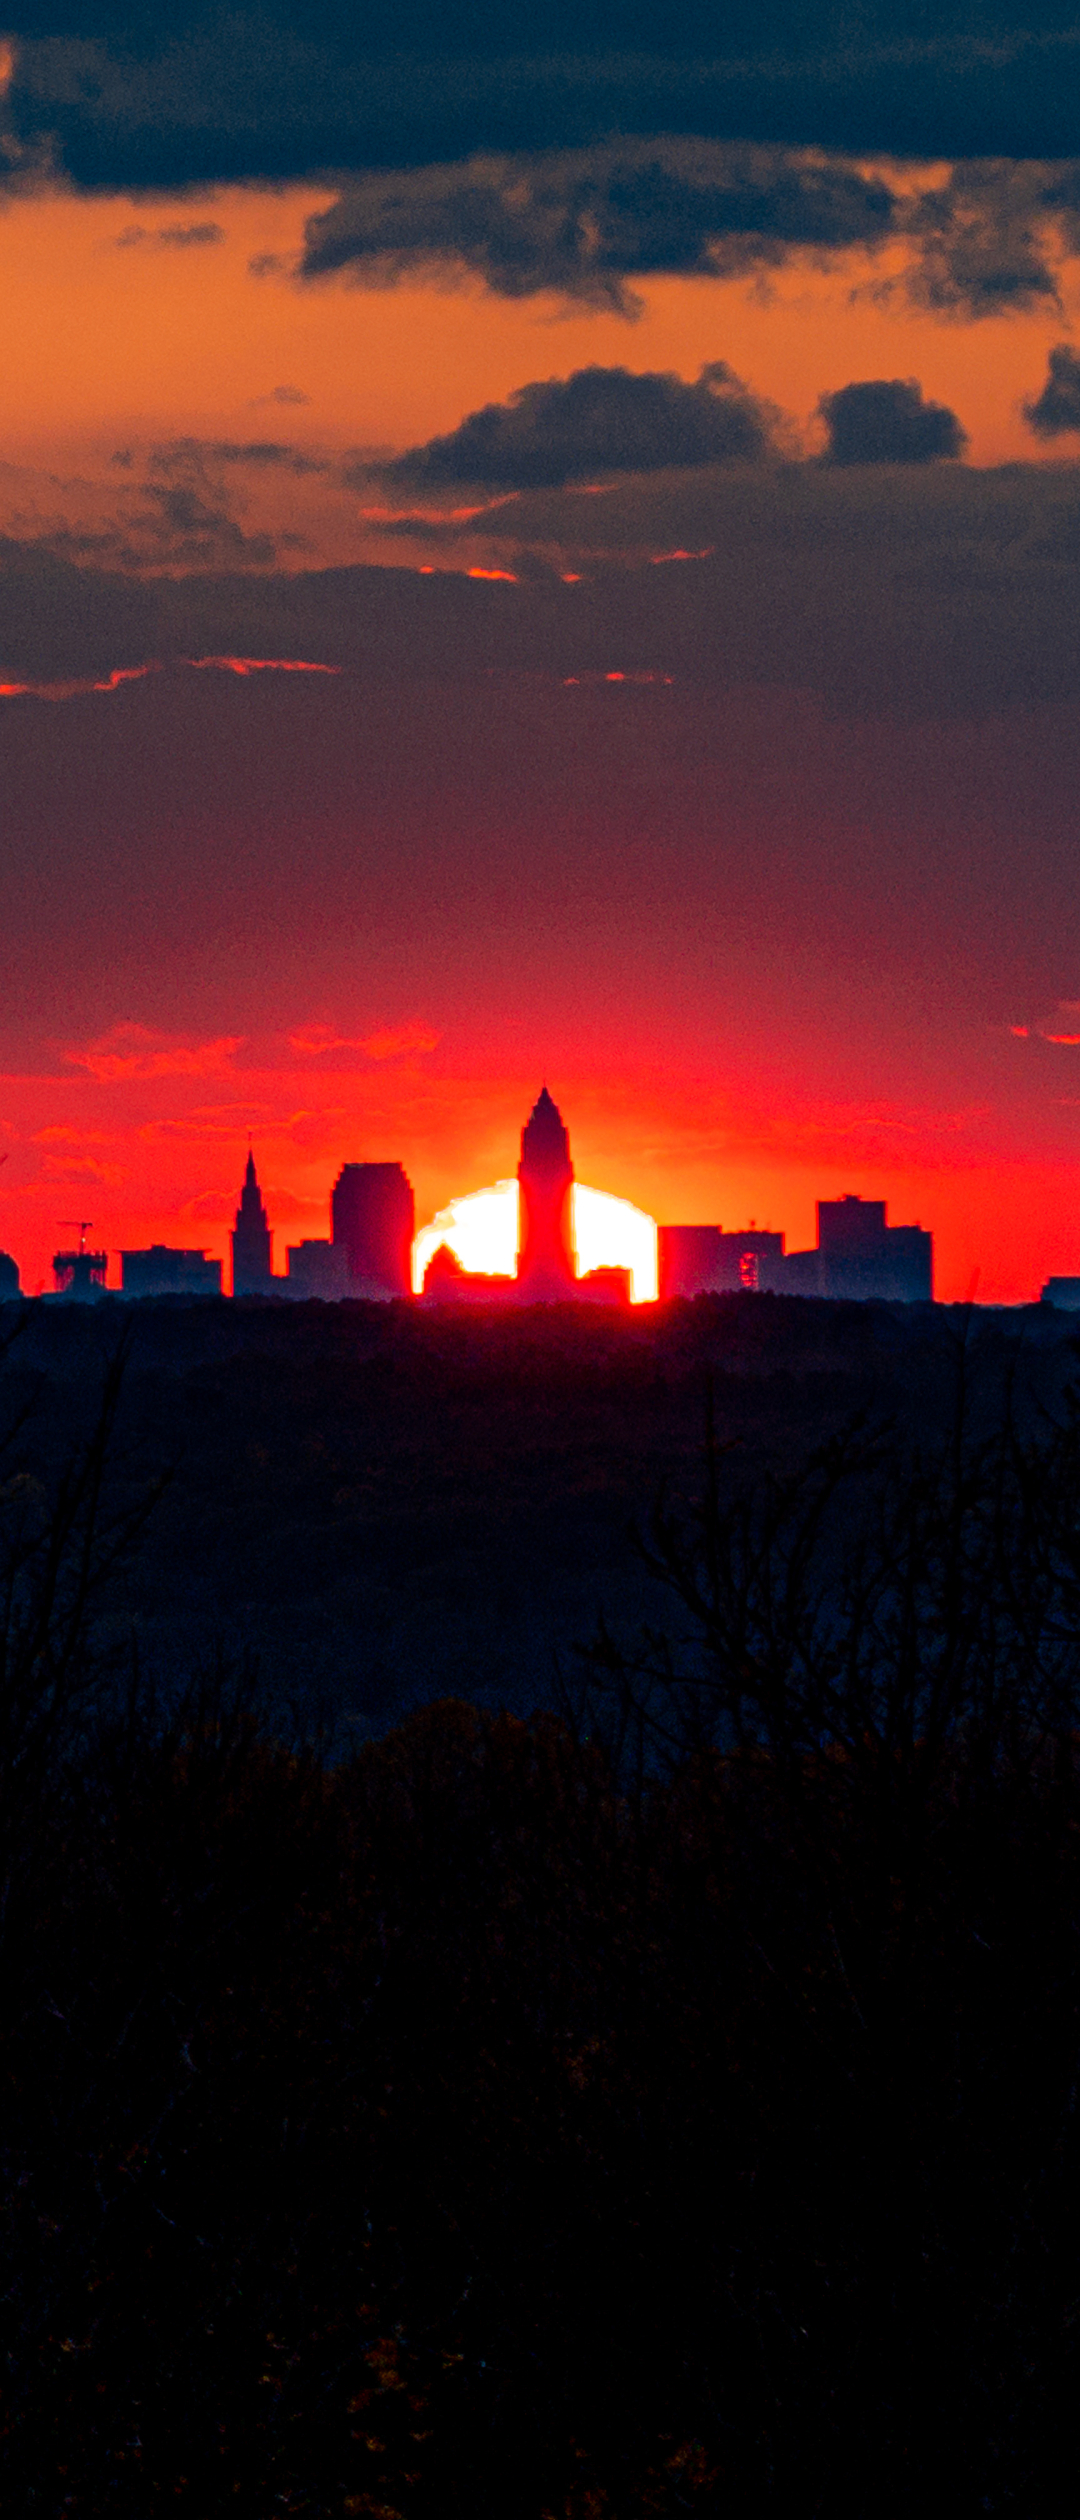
(252, 1270)
(374, 1219)
(861, 1256)
(161, 1271)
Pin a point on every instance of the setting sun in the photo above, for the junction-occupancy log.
(482, 1232)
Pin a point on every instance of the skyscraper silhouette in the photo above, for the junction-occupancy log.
(547, 1262)
(252, 1272)
(372, 1212)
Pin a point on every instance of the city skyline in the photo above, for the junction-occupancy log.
(476, 1222)
(545, 1235)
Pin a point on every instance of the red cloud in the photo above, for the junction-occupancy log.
(258, 665)
(129, 1051)
(1065, 1017)
(71, 690)
(615, 676)
(317, 1039)
(395, 1045)
(68, 1157)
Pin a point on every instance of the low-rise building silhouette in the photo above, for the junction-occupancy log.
(316, 1270)
(858, 1256)
(252, 1245)
(1063, 1292)
(374, 1219)
(703, 1260)
(446, 1282)
(603, 1286)
(162, 1271)
(9, 1278)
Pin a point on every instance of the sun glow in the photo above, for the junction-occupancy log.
(611, 1234)
(482, 1232)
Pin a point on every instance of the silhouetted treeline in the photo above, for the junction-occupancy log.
(669, 2106)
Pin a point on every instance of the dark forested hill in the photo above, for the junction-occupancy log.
(382, 1504)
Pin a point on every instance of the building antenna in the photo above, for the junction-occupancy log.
(79, 1225)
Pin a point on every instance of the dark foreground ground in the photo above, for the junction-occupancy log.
(666, 2105)
(449, 2139)
(378, 1505)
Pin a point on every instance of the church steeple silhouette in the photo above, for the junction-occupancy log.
(546, 1268)
(252, 1247)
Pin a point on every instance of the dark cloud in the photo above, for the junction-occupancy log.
(57, 620)
(490, 146)
(201, 232)
(127, 97)
(599, 420)
(584, 223)
(187, 521)
(986, 241)
(1057, 409)
(910, 590)
(262, 454)
(187, 525)
(887, 422)
(183, 513)
(185, 505)
(189, 509)
(178, 525)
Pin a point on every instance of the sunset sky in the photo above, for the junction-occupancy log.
(636, 471)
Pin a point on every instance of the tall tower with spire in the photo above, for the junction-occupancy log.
(252, 1273)
(546, 1268)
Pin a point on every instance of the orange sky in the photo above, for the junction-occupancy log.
(120, 347)
(110, 346)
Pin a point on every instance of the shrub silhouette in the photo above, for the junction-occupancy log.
(667, 2106)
